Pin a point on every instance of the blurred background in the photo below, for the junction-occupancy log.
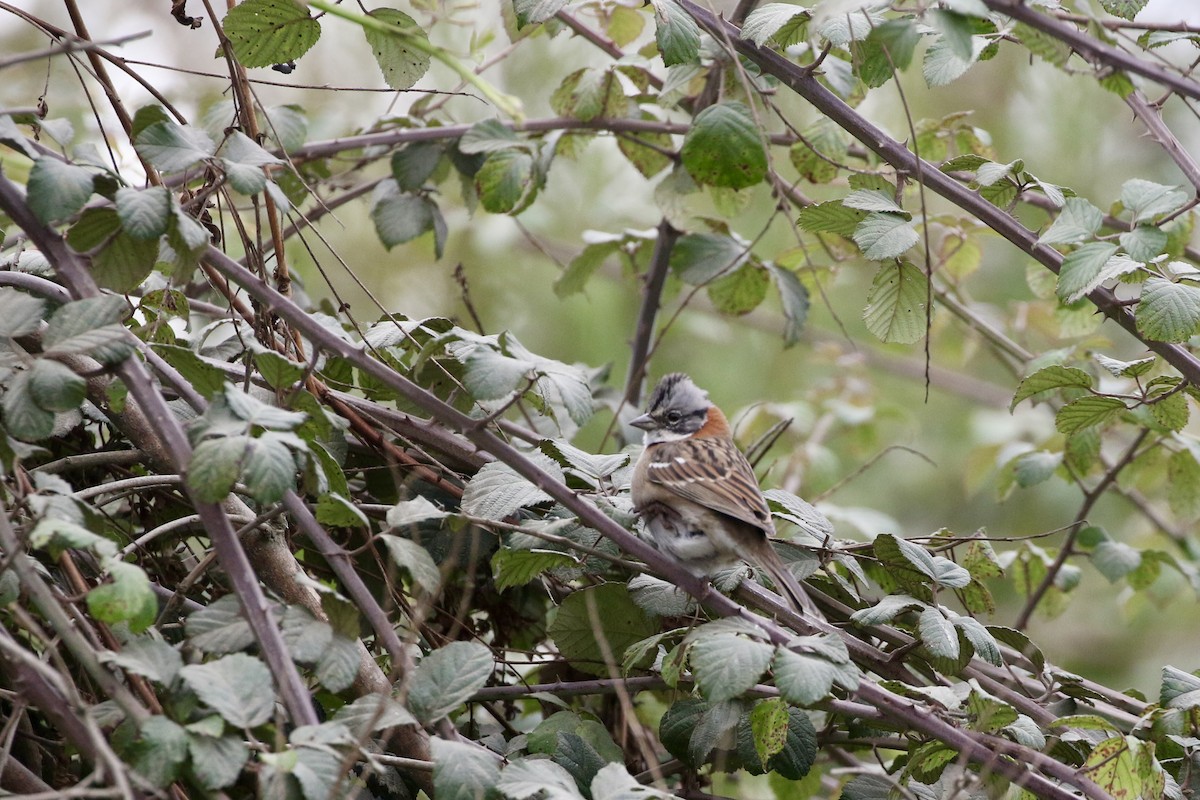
(850, 397)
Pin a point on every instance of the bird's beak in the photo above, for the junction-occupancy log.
(645, 422)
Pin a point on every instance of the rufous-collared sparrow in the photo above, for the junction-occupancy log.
(696, 492)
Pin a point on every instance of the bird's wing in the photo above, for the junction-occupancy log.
(713, 473)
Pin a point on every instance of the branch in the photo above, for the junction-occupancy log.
(656, 278)
(805, 84)
(1093, 50)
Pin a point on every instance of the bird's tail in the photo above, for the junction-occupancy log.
(786, 584)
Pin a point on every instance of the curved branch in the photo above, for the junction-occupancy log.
(805, 84)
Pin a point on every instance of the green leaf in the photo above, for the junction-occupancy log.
(938, 634)
(896, 307)
(782, 24)
(266, 32)
(594, 627)
(126, 598)
(803, 679)
(1033, 468)
(403, 217)
(1077, 221)
(507, 182)
(496, 491)
(415, 559)
(255, 412)
(769, 727)
(1144, 242)
(819, 152)
(874, 200)
(20, 313)
(119, 261)
(1183, 484)
(1146, 199)
(794, 299)
(1168, 312)
(537, 779)
(149, 657)
(1115, 560)
(1125, 369)
(1049, 378)
(217, 761)
(726, 666)
(724, 147)
(518, 567)
(414, 163)
(956, 30)
(1086, 412)
(144, 213)
(376, 712)
(401, 63)
(1179, 689)
(236, 686)
(676, 33)
(171, 147)
(57, 190)
(268, 468)
(897, 40)
(980, 638)
(944, 65)
(55, 387)
(463, 771)
(160, 751)
(700, 257)
(533, 12)
(741, 292)
(1088, 267)
(1125, 9)
(941, 570)
(883, 236)
(830, 217)
(447, 677)
(215, 466)
(23, 416)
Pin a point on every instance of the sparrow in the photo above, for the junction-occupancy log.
(696, 492)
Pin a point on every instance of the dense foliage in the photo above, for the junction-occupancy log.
(255, 544)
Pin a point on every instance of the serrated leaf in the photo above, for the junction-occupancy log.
(830, 217)
(215, 466)
(372, 713)
(1168, 312)
(769, 727)
(1035, 467)
(1183, 484)
(537, 779)
(496, 491)
(23, 417)
(1086, 268)
(463, 771)
(413, 164)
(507, 182)
(401, 63)
(1049, 378)
(144, 213)
(447, 677)
(794, 299)
(20, 313)
(1086, 412)
(941, 570)
(1179, 689)
(780, 23)
(236, 686)
(895, 310)
(944, 65)
(676, 33)
(149, 657)
(803, 679)
(1078, 220)
(160, 750)
(874, 200)
(57, 190)
(1146, 199)
(128, 597)
(980, 638)
(415, 559)
(1144, 242)
(217, 761)
(533, 12)
(659, 597)
(724, 147)
(726, 666)
(518, 567)
(401, 217)
(266, 32)
(1115, 560)
(700, 257)
(55, 387)
(268, 468)
(938, 633)
(741, 292)
(172, 147)
(597, 624)
(1125, 9)
(883, 236)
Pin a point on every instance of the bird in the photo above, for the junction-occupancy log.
(696, 493)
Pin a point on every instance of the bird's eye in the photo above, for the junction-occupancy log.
(673, 416)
